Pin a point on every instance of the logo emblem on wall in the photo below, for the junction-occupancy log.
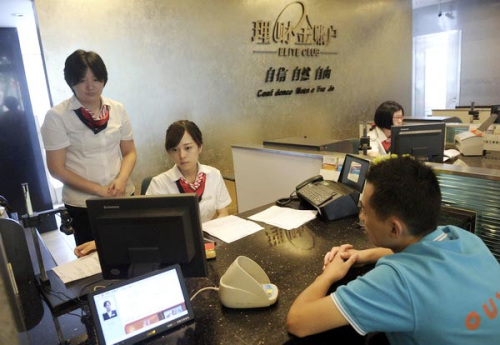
(294, 35)
(293, 29)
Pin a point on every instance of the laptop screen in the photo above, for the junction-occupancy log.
(353, 172)
(142, 307)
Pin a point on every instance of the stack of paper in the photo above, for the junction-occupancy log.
(284, 217)
(230, 228)
(83, 267)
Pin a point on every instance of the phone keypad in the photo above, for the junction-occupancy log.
(317, 194)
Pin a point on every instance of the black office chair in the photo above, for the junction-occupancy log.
(145, 184)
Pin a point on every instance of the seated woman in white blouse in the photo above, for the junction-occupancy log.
(387, 114)
(184, 143)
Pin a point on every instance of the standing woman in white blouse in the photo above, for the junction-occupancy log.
(387, 114)
(88, 141)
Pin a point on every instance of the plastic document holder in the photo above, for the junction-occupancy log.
(246, 285)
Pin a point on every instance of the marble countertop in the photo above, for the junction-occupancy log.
(292, 260)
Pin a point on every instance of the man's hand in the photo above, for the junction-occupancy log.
(313, 311)
(366, 256)
(346, 253)
(339, 263)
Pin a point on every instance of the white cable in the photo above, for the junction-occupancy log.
(203, 289)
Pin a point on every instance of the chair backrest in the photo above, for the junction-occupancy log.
(145, 184)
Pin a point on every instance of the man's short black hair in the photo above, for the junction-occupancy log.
(77, 63)
(176, 131)
(385, 112)
(408, 189)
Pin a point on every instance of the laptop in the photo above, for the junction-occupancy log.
(140, 308)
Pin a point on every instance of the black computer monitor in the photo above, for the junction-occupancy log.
(423, 141)
(427, 119)
(495, 110)
(136, 235)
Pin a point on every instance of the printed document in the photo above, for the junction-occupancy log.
(230, 228)
(83, 267)
(284, 217)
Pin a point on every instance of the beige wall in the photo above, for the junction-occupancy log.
(480, 25)
(169, 60)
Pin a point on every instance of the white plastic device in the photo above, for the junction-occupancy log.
(246, 285)
(469, 144)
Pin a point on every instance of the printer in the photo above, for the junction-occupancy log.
(469, 144)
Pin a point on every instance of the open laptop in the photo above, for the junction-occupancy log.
(142, 307)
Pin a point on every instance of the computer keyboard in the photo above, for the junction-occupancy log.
(316, 193)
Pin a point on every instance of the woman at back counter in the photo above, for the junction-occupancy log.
(184, 144)
(387, 114)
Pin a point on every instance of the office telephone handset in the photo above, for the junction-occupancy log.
(313, 179)
(285, 201)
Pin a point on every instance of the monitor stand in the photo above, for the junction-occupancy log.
(138, 269)
(143, 260)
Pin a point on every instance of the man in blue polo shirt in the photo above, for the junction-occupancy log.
(430, 285)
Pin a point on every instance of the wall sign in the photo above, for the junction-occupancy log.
(294, 35)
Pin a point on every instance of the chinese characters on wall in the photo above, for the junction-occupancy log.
(300, 38)
(281, 75)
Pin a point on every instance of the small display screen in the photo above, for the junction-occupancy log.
(141, 307)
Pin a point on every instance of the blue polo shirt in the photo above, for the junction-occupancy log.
(444, 289)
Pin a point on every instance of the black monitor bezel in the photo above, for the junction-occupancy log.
(158, 330)
(197, 267)
(397, 132)
(344, 172)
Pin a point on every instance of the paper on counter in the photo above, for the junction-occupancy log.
(331, 175)
(230, 228)
(450, 154)
(83, 267)
(284, 217)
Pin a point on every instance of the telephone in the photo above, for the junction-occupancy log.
(331, 199)
(335, 200)
(313, 192)
(309, 181)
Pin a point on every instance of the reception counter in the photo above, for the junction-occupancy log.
(265, 174)
(291, 259)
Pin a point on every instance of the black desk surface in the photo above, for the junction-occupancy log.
(291, 259)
